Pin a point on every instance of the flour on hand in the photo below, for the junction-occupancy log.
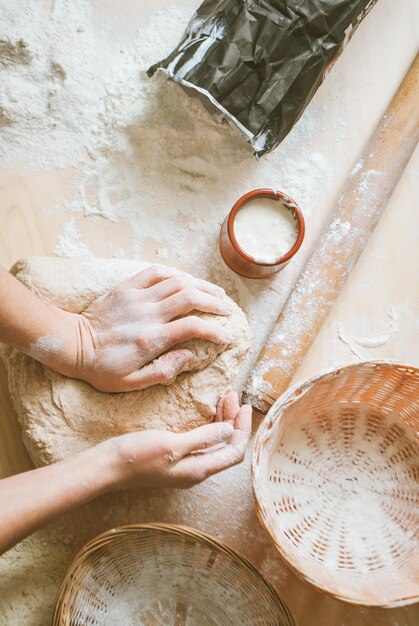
(62, 416)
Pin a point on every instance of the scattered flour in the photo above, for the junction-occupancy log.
(73, 94)
(45, 345)
(339, 229)
(348, 342)
(368, 179)
(381, 339)
(152, 158)
(162, 253)
(70, 242)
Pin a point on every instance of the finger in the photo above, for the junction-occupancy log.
(203, 437)
(191, 299)
(242, 428)
(191, 327)
(197, 467)
(150, 276)
(161, 371)
(181, 281)
(219, 415)
(231, 407)
(243, 425)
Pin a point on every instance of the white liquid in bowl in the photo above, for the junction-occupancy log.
(265, 229)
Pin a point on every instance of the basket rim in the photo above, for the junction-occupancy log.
(284, 400)
(171, 529)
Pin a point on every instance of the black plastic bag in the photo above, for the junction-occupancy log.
(258, 63)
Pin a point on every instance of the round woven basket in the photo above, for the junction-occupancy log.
(336, 479)
(162, 575)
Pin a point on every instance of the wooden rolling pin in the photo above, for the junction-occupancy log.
(340, 244)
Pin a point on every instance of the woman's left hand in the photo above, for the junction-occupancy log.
(156, 458)
(127, 339)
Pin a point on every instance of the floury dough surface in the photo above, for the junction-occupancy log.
(61, 416)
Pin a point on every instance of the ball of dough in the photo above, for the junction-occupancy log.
(61, 416)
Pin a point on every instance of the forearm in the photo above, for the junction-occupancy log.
(27, 323)
(139, 323)
(142, 459)
(32, 499)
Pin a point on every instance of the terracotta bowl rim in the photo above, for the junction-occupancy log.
(275, 194)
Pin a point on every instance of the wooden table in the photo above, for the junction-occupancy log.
(383, 287)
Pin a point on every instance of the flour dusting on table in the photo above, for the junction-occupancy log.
(73, 95)
(149, 156)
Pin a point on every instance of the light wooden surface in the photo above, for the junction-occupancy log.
(384, 280)
(345, 233)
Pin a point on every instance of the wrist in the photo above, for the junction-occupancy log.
(113, 465)
(92, 471)
(58, 345)
(120, 463)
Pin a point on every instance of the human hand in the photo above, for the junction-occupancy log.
(124, 336)
(135, 460)
(158, 458)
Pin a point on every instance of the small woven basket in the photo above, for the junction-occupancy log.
(162, 575)
(336, 479)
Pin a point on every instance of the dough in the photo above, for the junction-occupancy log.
(61, 416)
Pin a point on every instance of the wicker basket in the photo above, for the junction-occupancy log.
(161, 575)
(336, 478)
